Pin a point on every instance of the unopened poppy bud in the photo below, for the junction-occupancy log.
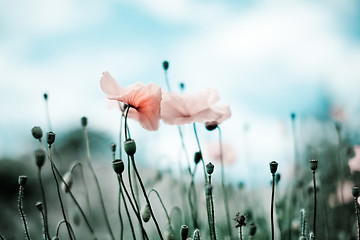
(118, 166)
(196, 234)
(113, 147)
(273, 167)
(45, 96)
(39, 158)
(165, 65)
(50, 137)
(209, 168)
(211, 125)
(84, 121)
(130, 147)
(355, 191)
(293, 116)
(184, 231)
(37, 132)
(145, 213)
(252, 229)
(39, 206)
(313, 164)
(68, 180)
(197, 157)
(182, 86)
(22, 180)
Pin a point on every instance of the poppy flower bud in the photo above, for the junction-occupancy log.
(22, 180)
(130, 147)
(313, 164)
(113, 147)
(182, 86)
(355, 191)
(293, 116)
(197, 157)
(50, 137)
(37, 132)
(165, 65)
(118, 166)
(68, 180)
(252, 229)
(145, 213)
(184, 231)
(211, 125)
(39, 206)
(45, 96)
(273, 167)
(196, 234)
(209, 168)
(84, 121)
(39, 158)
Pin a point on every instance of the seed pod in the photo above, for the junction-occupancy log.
(130, 147)
(50, 137)
(39, 158)
(273, 167)
(184, 231)
(118, 166)
(209, 168)
(37, 132)
(313, 164)
(211, 125)
(22, 180)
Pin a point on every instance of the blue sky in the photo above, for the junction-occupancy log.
(266, 59)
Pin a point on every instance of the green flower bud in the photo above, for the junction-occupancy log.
(37, 132)
(118, 166)
(39, 158)
(145, 213)
(130, 147)
(197, 157)
(84, 121)
(273, 167)
(209, 168)
(50, 137)
(313, 164)
(22, 180)
(166, 65)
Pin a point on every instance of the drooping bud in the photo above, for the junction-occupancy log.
(197, 157)
(39, 206)
(118, 166)
(293, 116)
(273, 167)
(68, 180)
(211, 125)
(355, 191)
(145, 213)
(39, 158)
(22, 180)
(84, 121)
(37, 132)
(196, 234)
(50, 137)
(184, 231)
(45, 96)
(313, 164)
(130, 147)
(209, 168)
(165, 65)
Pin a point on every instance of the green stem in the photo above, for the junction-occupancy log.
(119, 211)
(162, 204)
(357, 215)
(314, 223)
(20, 205)
(66, 223)
(86, 139)
(126, 208)
(46, 224)
(272, 206)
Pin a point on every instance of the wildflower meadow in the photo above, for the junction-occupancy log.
(86, 185)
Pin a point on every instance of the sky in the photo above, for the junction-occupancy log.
(265, 58)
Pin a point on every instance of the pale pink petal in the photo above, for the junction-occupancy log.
(109, 85)
(354, 163)
(224, 112)
(228, 152)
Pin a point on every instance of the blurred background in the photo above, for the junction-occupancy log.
(266, 59)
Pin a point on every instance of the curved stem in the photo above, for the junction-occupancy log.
(46, 224)
(146, 198)
(162, 204)
(226, 202)
(121, 195)
(86, 139)
(21, 193)
(126, 127)
(58, 192)
(176, 209)
(357, 216)
(272, 206)
(59, 225)
(134, 208)
(314, 223)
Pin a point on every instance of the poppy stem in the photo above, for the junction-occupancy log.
(46, 224)
(162, 204)
(20, 205)
(66, 223)
(119, 211)
(198, 143)
(272, 206)
(314, 223)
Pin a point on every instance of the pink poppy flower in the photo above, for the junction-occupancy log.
(228, 152)
(179, 109)
(354, 163)
(144, 100)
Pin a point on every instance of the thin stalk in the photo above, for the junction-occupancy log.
(47, 113)
(240, 233)
(146, 198)
(120, 131)
(1, 237)
(211, 212)
(82, 175)
(176, 209)
(119, 212)
(58, 192)
(134, 209)
(314, 223)
(126, 209)
(46, 236)
(198, 143)
(272, 206)
(357, 216)
(59, 225)
(107, 223)
(46, 223)
(193, 197)
(339, 162)
(226, 202)
(20, 205)
(162, 204)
